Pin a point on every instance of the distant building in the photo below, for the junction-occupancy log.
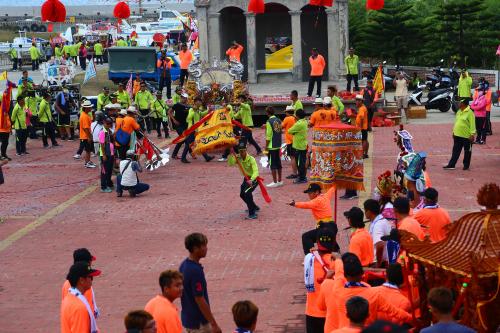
(222, 21)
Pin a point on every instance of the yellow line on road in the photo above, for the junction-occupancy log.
(45, 217)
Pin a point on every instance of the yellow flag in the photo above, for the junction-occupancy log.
(3, 76)
(378, 81)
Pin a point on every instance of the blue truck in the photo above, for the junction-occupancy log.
(124, 61)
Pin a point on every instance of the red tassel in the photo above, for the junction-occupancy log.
(374, 4)
(53, 11)
(121, 10)
(50, 27)
(256, 6)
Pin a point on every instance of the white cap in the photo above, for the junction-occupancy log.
(318, 100)
(359, 97)
(132, 109)
(289, 108)
(123, 112)
(87, 104)
(327, 100)
(184, 95)
(113, 106)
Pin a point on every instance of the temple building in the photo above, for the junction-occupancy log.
(291, 26)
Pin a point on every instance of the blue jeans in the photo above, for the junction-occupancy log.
(137, 189)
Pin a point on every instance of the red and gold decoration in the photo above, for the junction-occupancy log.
(121, 11)
(467, 261)
(53, 11)
(256, 6)
(215, 134)
(374, 4)
(337, 157)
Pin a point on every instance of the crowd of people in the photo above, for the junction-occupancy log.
(339, 299)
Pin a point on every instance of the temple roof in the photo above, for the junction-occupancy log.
(473, 242)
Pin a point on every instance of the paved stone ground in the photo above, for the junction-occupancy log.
(55, 200)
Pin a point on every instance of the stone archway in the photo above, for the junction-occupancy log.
(274, 23)
(233, 28)
(314, 34)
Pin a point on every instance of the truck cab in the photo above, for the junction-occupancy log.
(124, 61)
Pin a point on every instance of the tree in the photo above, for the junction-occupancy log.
(389, 33)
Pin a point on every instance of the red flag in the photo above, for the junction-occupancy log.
(149, 149)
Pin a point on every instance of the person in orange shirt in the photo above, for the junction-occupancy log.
(390, 290)
(185, 56)
(332, 112)
(164, 64)
(5, 130)
(318, 65)
(404, 220)
(234, 52)
(361, 243)
(286, 125)
(128, 125)
(357, 309)
(321, 208)
(315, 271)
(140, 321)
(320, 116)
(76, 313)
(434, 218)
(86, 140)
(362, 123)
(82, 254)
(137, 84)
(162, 306)
(345, 284)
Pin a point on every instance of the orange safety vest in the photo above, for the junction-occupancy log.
(164, 64)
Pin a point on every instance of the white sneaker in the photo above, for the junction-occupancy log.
(77, 156)
(222, 159)
(270, 185)
(90, 165)
(279, 184)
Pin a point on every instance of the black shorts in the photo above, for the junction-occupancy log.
(290, 151)
(87, 146)
(364, 135)
(274, 159)
(63, 120)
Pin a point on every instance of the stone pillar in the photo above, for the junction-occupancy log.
(214, 51)
(297, 45)
(343, 26)
(202, 16)
(251, 48)
(334, 54)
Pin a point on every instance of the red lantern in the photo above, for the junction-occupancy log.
(374, 4)
(53, 11)
(121, 10)
(256, 6)
(325, 3)
(159, 38)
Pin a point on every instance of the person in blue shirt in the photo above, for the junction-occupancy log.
(441, 305)
(25, 76)
(196, 315)
(245, 316)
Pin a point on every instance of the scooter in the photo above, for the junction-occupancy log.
(440, 99)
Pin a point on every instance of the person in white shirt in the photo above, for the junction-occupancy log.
(95, 128)
(401, 95)
(127, 179)
(379, 227)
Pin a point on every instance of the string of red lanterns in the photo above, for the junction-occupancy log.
(53, 11)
